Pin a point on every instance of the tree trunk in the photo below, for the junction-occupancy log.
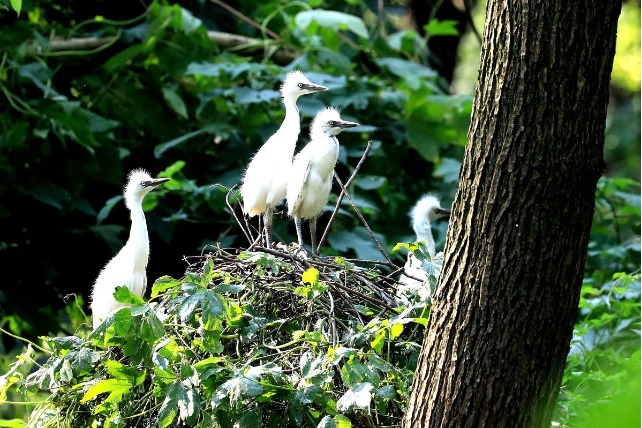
(504, 309)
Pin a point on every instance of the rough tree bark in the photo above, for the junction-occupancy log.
(504, 308)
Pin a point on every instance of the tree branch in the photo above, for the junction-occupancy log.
(222, 40)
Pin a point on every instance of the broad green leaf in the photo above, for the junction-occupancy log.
(395, 331)
(246, 96)
(378, 341)
(175, 102)
(16, 5)
(163, 284)
(106, 209)
(357, 397)
(116, 388)
(436, 27)
(12, 423)
(332, 20)
(124, 295)
(169, 408)
(370, 182)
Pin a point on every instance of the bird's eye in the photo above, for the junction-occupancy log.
(300, 85)
(143, 183)
(332, 123)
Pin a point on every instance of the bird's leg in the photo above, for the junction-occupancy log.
(313, 235)
(267, 225)
(299, 233)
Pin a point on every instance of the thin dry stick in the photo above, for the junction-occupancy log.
(248, 232)
(365, 223)
(342, 194)
(246, 19)
(75, 46)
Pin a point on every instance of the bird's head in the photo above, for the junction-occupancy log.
(426, 210)
(139, 183)
(329, 122)
(296, 84)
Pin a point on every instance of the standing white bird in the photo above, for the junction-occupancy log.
(426, 210)
(265, 179)
(128, 267)
(310, 178)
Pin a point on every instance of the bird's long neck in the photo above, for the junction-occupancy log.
(426, 236)
(138, 237)
(292, 121)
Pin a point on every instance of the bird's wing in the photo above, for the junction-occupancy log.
(299, 191)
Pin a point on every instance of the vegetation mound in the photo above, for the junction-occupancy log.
(271, 338)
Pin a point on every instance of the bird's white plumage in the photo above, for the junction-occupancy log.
(413, 278)
(128, 267)
(265, 179)
(310, 178)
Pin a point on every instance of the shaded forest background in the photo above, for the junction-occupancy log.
(161, 94)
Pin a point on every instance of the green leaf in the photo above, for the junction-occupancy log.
(332, 20)
(12, 423)
(370, 182)
(16, 5)
(175, 102)
(163, 284)
(116, 388)
(105, 210)
(395, 331)
(124, 295)
(378, 341)
(208, 302)
(169, 408)
(436, 27)
(357, 397)
(236, 388)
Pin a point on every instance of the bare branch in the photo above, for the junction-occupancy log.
(342, 194)
(61, 46)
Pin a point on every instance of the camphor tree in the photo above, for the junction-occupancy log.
(503, 313)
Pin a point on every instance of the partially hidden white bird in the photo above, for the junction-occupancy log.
(265, 180)
(310, 179)
(128, 267)
(425, 211)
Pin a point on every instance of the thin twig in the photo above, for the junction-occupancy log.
(342, 194)
(35, 345)
(248, 232)
(365, 223)
(246, 19)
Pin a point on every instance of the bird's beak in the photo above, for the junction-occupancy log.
(442, 212)
(314, 87)
(345, 124)
(156, 182)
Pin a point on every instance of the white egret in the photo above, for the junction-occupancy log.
(265, 179)
(128, 267)
(310, 177)
(427, 210)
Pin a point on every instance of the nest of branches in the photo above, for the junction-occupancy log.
(265, 337)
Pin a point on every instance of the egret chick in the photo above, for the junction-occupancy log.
(265, 180)
(310, 177)
(427, 210)
(129, 266)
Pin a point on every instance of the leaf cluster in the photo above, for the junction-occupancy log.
(245, 338)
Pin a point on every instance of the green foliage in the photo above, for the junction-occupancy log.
(212, 347)
(601, 384)
(164, 96)
(234, 343)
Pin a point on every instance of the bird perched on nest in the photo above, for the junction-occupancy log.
(265, 179)
(129, 266)
(427, 210)
(310, 178)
